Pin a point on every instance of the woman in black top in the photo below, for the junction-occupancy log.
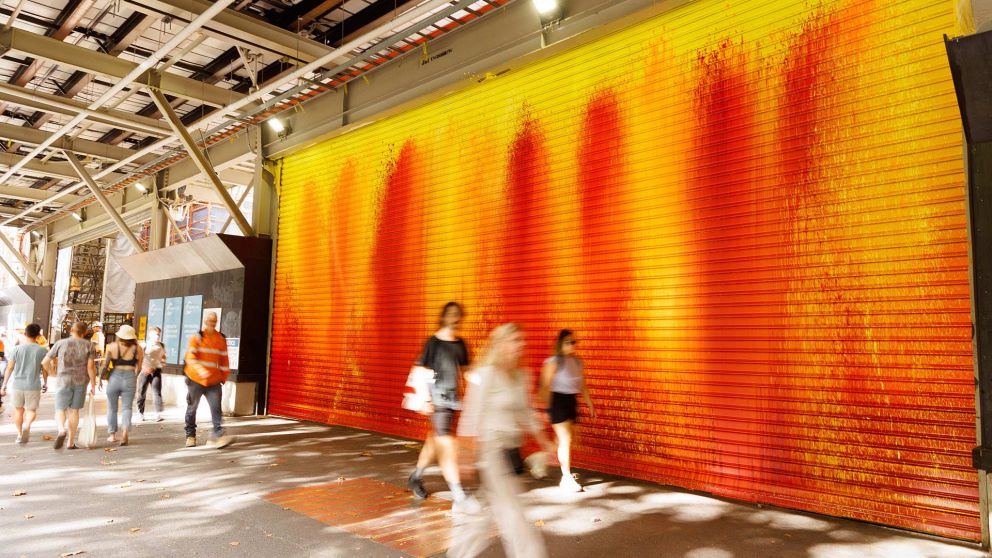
(443, 357)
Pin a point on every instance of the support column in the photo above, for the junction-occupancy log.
(263, 193)
(49, 266)
(159, 228)
(200, 160)
(84, 175)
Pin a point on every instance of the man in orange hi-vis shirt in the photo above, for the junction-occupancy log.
(206, 370)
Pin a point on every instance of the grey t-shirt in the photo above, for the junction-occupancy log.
(74, 356)
(26, 375)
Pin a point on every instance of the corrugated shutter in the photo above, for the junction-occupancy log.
(751, 212)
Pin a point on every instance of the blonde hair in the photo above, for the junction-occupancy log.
(491, 357)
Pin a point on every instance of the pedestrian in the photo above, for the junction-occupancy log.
(206, 371)
(496, 408)
(443, 358)
(562, 380)
(24, 375)
(151, 373)
(98, 339)
(74, 365)
(121, 358)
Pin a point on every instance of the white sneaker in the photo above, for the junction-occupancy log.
(158, 417)
(569, 484)
(141, 417)
(466, 506)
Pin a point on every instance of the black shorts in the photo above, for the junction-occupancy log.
(563, 407)
(443, 421)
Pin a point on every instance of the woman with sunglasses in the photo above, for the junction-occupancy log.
(562, 380)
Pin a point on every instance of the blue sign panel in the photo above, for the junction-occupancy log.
(192, 307)
(171, 327)
(156, 310)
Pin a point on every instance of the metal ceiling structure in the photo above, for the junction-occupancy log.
(100, 95)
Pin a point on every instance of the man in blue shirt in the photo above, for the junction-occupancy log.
(24, 377)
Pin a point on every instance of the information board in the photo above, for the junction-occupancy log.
(156, 310)
(171, 328)
(192, 306)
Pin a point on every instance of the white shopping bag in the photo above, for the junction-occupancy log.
(417, 392)
(87, 428)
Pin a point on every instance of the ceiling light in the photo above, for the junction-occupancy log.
(141, 187)
(276, 125)
(75, 215)
(546, 7)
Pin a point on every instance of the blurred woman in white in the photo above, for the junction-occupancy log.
(495, 414)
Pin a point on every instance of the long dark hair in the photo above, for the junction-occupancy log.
(562, 336)
(448, 306)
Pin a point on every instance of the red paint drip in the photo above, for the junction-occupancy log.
(521, 272)
(395, 329)
(606, 253)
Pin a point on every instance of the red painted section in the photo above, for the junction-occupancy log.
(394, 327)
(525, 255)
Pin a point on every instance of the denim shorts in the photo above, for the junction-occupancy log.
(70, 397)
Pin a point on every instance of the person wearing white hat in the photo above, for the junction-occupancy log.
(120, 369)
(99, 340)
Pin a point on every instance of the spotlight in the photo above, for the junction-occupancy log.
(278, 127)
(75, 215)
(546, 7)
(140, 187)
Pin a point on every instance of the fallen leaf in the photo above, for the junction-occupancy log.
(140, 480)
(539, 523)
(109, 449)
(165, 496)
(19, 493)
(412, 446)
(235, 543)
(110, 521)
(73, 553)
(366, 454)
(126, 485)
(28, 516)
(134, 529)
(108, 463)
(268, 534)
(273, 464)
(47, 438)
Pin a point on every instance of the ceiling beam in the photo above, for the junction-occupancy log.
(24, 134)
(71, 107)
(50, 169)
(22, 193)
(98, 194)
(91, 61)
(238, 28)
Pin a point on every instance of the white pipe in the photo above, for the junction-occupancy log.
(410, 16)
(134, 74)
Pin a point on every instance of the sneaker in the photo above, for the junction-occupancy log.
(158, 418)
(20, 439)
(416, 485)
(468, 505)
(141, 417)
(191, 441)
(221, 442)
(569, 484)
(60, 440)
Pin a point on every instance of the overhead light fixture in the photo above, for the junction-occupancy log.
(545, 7)
(277, 126)
(140, 187)
(75, 215)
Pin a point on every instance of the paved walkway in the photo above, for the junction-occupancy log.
(289, 488)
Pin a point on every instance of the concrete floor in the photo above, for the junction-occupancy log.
(156, 499)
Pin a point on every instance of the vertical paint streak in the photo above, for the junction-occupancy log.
(723, 183)
(342, 316)
(395, 328)
(524, 258)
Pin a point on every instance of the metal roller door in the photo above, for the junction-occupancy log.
(753, 215)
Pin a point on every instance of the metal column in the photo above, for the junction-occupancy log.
(20, 258)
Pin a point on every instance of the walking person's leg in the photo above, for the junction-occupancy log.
(193, 393)
(114, 387)
(63, 398)
(214, 394)
(143, 381)
(157, 393)
(78, 400)
(502, 489)
(427, 453)
(127, 404)
(31, 401)
(18, 419)
(563, 431)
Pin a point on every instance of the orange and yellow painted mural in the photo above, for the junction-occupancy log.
(751, 212)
